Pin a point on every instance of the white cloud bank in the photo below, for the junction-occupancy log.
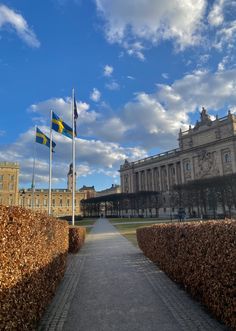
(8, 17)
(185, 23)
(127, 23)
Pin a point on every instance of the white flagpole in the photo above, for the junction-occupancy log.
(73, 159)
(33, 175)
(50, 170)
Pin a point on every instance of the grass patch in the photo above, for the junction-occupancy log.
(87, 223)
(129, 231)
(133, 220)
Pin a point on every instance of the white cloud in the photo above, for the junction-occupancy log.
(216, 16)
(62, 107)
(113, 86)
(152, 21)
(93, 156)
(108, 70)
(9, 17)
(165, 75)
(135, 49)
(95, 95)
(154, 120)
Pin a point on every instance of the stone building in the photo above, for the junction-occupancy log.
(112, 190)
(10, 195)
(206, 150)
(9, 179)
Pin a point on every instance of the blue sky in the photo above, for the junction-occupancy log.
(140, 72)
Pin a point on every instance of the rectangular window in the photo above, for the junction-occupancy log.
(11, 186)
(60, 202)
(1, 177)
(45, 202)
(53, 202)
(68, 202)
(1, 186)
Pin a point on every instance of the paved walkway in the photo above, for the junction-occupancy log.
(109, 285)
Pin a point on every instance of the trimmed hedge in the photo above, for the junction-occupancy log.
(202, 257)
(76, 238)
(33, 255)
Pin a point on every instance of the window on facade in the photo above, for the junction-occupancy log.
(68, 202)
(11, 177)
(187, 166)
(53, 202)
(227, 157)
(1, 177)
(1, 186)
(60, 202)
(11, 186)
(45, 202)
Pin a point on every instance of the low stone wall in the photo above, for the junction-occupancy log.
(76, 238)
(201, 256)
(33, 255)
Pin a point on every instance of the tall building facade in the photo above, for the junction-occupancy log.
(206, 150)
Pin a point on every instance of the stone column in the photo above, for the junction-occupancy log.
(192, 169)
(168, 177)
(160, 178)
(182, 172)
(220, 163)
(139, 181)
(152, 177)
(146, 180)
(176, 177)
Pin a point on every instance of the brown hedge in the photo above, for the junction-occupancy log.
(33, 258)
(202, 257)
(76, 238)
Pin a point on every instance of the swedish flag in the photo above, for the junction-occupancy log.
(41, 138)
(59, 126)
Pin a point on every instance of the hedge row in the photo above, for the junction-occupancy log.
(33, 259)
(202, 257)
(76, 238)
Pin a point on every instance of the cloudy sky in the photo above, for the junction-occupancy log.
(141, 71)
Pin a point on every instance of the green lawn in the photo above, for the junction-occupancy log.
(87, 223)
(133, 220)
(129, 231)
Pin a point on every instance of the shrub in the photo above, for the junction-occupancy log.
(201, 257)
(33, 259)
(76, 238)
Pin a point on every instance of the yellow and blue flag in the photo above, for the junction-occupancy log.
(59, 126)
(41, 138)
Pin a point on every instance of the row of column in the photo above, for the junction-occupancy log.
(160, 178)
